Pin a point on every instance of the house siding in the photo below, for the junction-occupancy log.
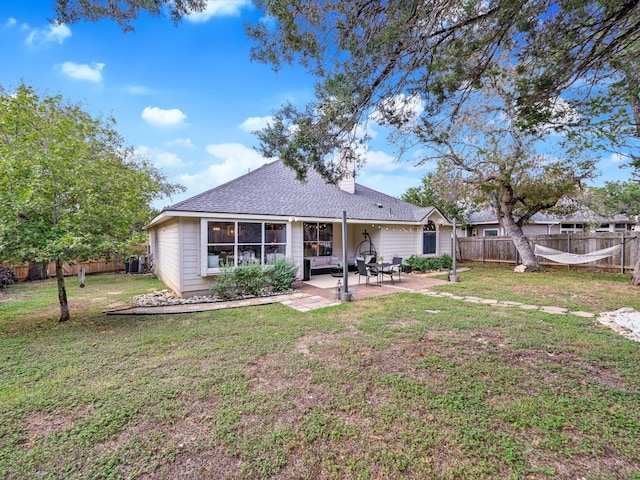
(445, 240)
(166, 252)
(192, 280)
(537, 229)
(296, 252)
(397, 241)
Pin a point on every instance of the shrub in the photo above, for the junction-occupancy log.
(281, 275)
(7, 276)
(225, 285)
(417, 264)
(422, 264)
(249, 279)
(447, 261)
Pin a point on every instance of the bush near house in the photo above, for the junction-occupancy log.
(422, 264)
(253, 280)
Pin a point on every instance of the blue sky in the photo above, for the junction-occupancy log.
(187, 96)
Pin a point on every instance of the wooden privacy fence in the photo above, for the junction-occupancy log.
(90, 267)
(502, 249)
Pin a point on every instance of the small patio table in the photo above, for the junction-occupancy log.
(376, 268)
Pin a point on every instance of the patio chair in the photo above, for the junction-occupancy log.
(363, 271)
(392, 269)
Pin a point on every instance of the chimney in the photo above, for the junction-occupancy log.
(348, 168)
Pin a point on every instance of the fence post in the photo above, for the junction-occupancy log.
(568, 247)
(482, 249)
(622, 259)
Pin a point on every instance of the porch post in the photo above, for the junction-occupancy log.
(346, 294)
(454, 276)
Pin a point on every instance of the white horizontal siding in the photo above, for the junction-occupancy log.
(397, 241)
(167, 254)
(445, 240)
(192, 280)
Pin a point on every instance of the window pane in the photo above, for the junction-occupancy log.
(275, 233)
(428, 243)
(221, 232)
(310, 232)
(224, 254)
(273, 253)
(429, 227)
(249, 253)
(326, 231)
(249, 232)
(310, 249)
(325, 249)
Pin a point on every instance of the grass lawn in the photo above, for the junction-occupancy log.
(398, 386)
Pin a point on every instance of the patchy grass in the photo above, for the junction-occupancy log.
(576, 290)
(398, 386)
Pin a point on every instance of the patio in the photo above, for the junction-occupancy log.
(325, 286)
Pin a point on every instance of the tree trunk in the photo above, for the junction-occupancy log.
(37, 271)
(62, 293)
(514, 231)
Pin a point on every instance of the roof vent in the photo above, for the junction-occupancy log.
(379, 205)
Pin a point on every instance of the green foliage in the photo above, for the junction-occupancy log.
(446, 260)
(225, 284)
(417, 263)
(281, 275)
(424, 264)
(435, 191)
(70, 189)
(249, 278)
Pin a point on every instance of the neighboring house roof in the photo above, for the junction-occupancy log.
(581, 215)
(274, 190)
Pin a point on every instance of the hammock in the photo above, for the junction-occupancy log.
(575, 258)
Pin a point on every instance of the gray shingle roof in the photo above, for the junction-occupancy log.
(274, 190)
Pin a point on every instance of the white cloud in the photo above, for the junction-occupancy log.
(237, 159)
(380, 161)
(10, 22)
(219, 8)
(252, 124)
(160, 158)
(163, 118)
(181, 142)
(90, 73)
(55, 33)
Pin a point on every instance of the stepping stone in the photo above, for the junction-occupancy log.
(554, 310)
(583, 314)
(528, 307)
(489, 301)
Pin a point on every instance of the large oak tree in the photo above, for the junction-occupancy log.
(573, 71)
(70, 189)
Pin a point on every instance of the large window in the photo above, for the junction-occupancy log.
(235, 243)
(318, 239)
(429, 236)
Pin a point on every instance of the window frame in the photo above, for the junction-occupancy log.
(243, 246)
(319, 242)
